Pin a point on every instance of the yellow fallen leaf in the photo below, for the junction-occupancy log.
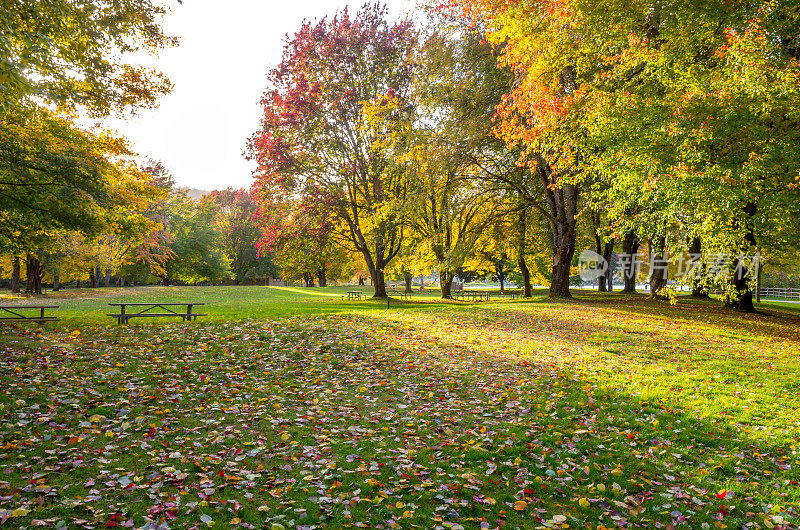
(20, 512)
(584, 503)
(520, 506)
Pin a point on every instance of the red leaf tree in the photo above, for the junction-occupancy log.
(315, 139)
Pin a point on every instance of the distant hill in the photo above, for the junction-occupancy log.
(194, 193)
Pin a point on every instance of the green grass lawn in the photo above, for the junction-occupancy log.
(292, 407)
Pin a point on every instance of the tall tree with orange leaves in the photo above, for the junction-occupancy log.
(684, 109)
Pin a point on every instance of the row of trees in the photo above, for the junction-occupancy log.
(180, 240)
(61, 65)
(75, 201)
(524, 128)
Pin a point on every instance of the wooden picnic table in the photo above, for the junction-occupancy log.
(355, 295)
(484, 295)
(401, 293)
(146, 310)
(17, 313)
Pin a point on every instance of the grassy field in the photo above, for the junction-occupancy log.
(292, 408)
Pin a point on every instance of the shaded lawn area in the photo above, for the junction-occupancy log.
(612, 412)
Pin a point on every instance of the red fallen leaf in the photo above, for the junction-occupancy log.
(721, 494)
(528, 492)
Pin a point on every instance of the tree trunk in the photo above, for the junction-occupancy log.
(408, 279)
(78, 283)
(696, 255)
(659, 275)
(446, 283)
(562, 201)
(606, 281)
(522, 240)
(742, 287)
(376, 273)
(563, 252)
(379, 282)
(741, 274)
(501, 274)
(758, 282)
(56, 282)
(107, 278)
(630, 265)
(323, 278)
(360, 280)
(526, 275)
(598, 248)
(421, 283)
(15, 273)
(34, 272)
(92, 278)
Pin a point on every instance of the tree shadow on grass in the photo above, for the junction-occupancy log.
(770, 322)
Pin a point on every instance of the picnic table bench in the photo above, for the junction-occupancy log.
(470, 295)
(484, 295)
(19, 313)
(400, 293)
(354, 295)
(151, 309)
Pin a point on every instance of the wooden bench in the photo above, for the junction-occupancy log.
(18, 313)
(151, 310)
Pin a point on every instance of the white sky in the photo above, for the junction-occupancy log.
(219, 73)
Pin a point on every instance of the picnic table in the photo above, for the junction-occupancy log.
(354, 295)
(155, 309)
(471, 295)
(20, 313)
(401, 293)
(485, 295)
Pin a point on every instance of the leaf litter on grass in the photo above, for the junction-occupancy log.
(487, 419)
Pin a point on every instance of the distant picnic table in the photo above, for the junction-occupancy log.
(20, 313)
(354, 295)
(477, 296)
(401, 293)
(155, 309)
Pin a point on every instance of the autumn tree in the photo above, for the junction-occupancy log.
(314, 132)
(70, 54)
(236, 219)
(709, 88)
(301, 233)
(61, 59)
(539, 159)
